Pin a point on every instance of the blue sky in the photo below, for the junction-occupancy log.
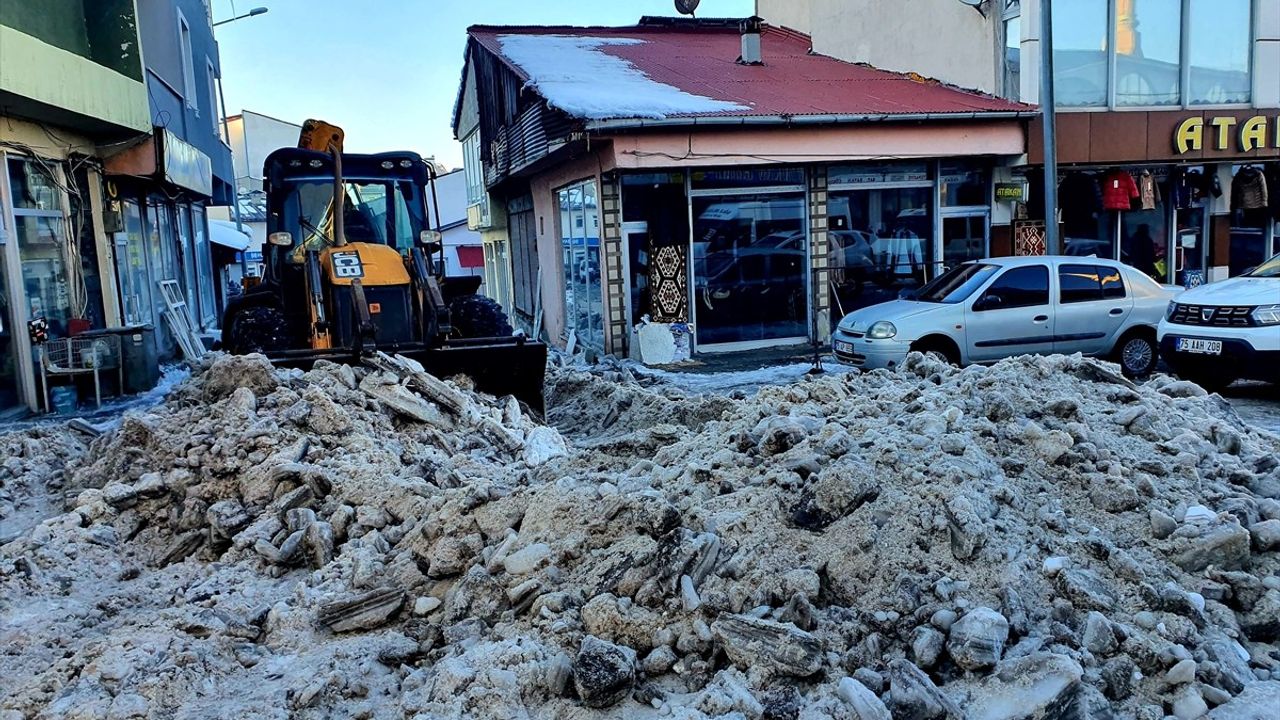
(386, 70)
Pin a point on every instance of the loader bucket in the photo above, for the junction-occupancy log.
(499, 366)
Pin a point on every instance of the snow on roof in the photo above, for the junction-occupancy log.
(575, 75)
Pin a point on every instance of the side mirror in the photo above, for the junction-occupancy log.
(988, 302)
(430, 237)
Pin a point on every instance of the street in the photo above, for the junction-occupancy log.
(1257, 403)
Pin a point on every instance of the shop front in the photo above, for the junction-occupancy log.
(749, 257)
(49, 271)
(160, 188)
(1187, 198)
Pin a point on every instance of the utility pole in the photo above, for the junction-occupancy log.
(1048, 111)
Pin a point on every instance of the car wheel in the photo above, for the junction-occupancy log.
(1137, 356)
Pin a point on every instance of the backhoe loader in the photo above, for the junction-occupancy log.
(352, 267)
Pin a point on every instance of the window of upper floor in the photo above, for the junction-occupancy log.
(1012, 50)
(188, 63)
(472, 168)
(1152, 53)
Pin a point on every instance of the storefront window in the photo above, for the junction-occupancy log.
(580, 253)
(42, 248)
(131, 266)
(164, 266)
(187, 257)
(1148, 52)
(881, 238)
(204, 267)
(750, 262)
(41, 232)
(1080, 53)
(1144, 237)
(964, 185)
(1220, 46)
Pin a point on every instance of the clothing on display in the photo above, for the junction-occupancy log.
(1249, 189)
(1189, 187)
(1148, 190)
(901, 254)
(1119, 191)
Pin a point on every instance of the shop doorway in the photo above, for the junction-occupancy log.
(965, 237)
(1189, 249)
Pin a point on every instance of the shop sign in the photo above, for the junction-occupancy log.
(1009, 191)
(874, 174)
(1221, 132)
(187, 167)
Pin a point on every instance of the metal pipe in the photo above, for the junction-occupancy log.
(1048, 109)
(339, 199)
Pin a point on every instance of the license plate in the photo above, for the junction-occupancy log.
(844, 347)
(1196, 345)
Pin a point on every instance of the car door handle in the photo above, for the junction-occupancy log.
(1040, 318)
(1116, 311)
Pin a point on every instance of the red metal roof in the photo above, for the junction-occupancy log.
(792, 81)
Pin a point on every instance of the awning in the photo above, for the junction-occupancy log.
(224, 233)
(471, 256)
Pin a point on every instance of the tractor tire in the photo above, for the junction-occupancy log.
(476, 316)
(256, 329)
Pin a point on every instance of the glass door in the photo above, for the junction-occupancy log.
(580, 257)
(1189, 249)
(964, 238)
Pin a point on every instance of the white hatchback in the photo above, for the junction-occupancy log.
(986, 310)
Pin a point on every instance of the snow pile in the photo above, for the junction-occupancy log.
(1035, 539)
(578, 75)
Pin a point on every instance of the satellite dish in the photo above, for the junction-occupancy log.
(686, 7)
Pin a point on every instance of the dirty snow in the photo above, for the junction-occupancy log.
(1007, 541)
(577, 75)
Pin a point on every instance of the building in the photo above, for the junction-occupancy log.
(717, 177)
(72, 90)
(463, 247)
(162, 185)
(1179, 98)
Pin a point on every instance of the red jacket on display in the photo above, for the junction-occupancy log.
(1118, 191)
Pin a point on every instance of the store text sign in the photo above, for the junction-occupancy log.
(1248, 134)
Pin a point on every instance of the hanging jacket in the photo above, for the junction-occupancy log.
(1249, 190)
(1118, 191)
(1148, 190)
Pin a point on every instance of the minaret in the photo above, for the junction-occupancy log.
(1128, 39)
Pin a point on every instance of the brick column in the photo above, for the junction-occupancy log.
(615, 284)
(819, 253)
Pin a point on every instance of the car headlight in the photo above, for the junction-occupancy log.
(882, 330)
(1267, 315)
(1168, 311)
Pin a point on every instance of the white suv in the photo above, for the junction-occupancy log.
(986, 310)
(1219, 333)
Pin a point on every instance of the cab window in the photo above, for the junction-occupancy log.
(1017, 287)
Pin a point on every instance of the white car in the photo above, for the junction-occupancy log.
(1218, 333)
(986, 310)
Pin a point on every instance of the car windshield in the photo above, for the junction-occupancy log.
(955, 285)
(1268, 269)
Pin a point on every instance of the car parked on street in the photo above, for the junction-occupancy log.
(1216, 334)
(986, 310)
